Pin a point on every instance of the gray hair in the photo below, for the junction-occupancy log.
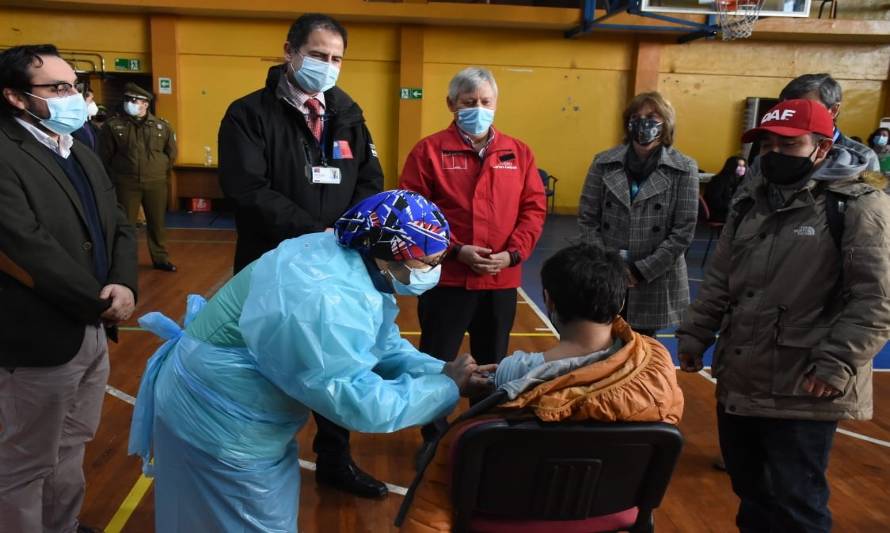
(469, 79)
(828, 88)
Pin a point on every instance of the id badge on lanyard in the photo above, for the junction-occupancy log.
(321, 174)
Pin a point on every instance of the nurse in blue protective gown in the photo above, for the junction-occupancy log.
(308, 326)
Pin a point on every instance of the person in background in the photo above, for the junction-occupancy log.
(720, 190)
(101, 117)
(600, 369)
(310, 325)
(293, 157)
(825, 89)
(67, 278)
(640, 199)
(490, 190)
(798, 301)
(89, 133)
(879, 141)
(138, 150)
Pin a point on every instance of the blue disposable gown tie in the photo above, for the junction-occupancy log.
(302, 328)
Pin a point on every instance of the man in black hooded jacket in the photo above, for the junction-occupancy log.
(294, 156)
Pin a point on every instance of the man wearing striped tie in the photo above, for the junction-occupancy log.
(294, 156)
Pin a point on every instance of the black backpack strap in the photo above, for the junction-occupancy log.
(738, 212)
(835, 208)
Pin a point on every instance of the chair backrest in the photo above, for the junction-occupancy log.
(704, 213)
(545, 177)
(533, 470)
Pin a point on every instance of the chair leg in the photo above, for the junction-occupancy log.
(645, 523)
(707, 248)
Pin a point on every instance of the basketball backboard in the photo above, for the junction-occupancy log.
(771, 8)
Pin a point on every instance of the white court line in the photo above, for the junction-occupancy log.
(538, 312)
(846, 432)
(866, 438)
(395, 489)
(120, 395)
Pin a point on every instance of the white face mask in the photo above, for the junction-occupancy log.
(92, 109)
(132, 109)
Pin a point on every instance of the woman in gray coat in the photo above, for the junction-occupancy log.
(641, 199)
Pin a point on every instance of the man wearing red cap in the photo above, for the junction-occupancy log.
(798, 292)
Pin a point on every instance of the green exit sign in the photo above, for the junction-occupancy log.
(124, 63)
(410, 93)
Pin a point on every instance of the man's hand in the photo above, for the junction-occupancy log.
(498, 261)
(481, 382)
(690, 363)
(482, 261)
(460, 371)
(122, 303)
(818, 388)
(475, 257)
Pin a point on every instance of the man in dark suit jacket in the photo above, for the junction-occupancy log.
(294, 156)
(67, 274)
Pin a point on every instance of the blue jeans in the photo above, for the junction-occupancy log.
(777, 467)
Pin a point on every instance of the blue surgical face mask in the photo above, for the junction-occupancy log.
(419, 281)
(66, 113)
(880, 140)
(475, 120)
(316, 76)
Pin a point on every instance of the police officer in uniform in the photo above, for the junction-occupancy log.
(138, 150)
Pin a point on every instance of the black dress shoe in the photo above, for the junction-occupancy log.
(350, 478)
(167, 266)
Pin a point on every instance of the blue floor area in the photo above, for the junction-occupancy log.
(560, 229)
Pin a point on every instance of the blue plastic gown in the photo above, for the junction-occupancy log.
(302, 328)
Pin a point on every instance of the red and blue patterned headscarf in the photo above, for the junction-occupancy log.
(394, 225)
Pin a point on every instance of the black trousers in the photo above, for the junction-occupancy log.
(777, 467)
(331, 443)
(446, 313)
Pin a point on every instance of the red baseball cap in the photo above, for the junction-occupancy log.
(793, 118)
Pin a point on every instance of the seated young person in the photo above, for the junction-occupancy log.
(599, 370)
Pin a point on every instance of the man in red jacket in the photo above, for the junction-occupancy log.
(488, 187)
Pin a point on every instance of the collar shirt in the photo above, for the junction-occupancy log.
(469, 141)
(61, 147)
(298, 98)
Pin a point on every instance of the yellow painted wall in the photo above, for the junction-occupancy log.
(708, 82)
(224, 59)
(111, 35)
(563, 98)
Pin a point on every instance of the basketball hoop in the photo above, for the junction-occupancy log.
(736, 18)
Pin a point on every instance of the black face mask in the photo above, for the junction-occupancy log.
(782, 169)
(644, 130)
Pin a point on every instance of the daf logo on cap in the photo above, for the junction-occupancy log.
(778, 114)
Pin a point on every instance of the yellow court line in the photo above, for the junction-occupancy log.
(119, 520)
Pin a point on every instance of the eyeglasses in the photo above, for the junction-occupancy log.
(134, 99)
(431, 264)
(64, 88)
